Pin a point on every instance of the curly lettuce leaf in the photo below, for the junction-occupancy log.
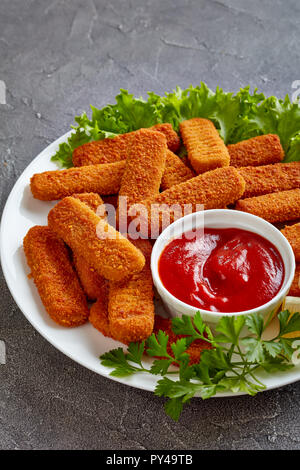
(281, 117)
(237, 116)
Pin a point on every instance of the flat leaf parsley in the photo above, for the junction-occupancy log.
(230, 365)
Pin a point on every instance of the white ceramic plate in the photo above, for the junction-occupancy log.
(83, 344)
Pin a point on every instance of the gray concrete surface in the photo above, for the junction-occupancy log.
(57, 57)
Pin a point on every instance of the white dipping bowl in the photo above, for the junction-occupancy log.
(222, 218)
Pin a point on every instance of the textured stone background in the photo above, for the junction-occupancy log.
(56, 58)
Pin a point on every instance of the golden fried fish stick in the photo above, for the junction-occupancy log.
(102, 151)
(116, 149)
(99, 316)
(214, 190)
(101, 179)
(54, 277)
(176, 171)
(274, 207)
(292, 233)
(144, 166)
(105, 249)
(92, 200)
(92, 282)
(257, 151)
(173, 139)
(295, 287)
(130, 303)
(270, 178)
(206, 150)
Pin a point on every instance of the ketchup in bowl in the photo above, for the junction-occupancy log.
(222, 270)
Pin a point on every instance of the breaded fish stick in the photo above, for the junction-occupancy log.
(144, 166)
(92, 200)
(274, 207)
(214, 190)
(270, 178)
(99, 316)
(92, 282)
(206, 150)
(102, 151)
(292, 233)
(295, 287)
(101, 179)
(116, 149)
(173, 139)
(176, 171)
(130, 303)
(105, 249)
(261, 150)
(54, 277)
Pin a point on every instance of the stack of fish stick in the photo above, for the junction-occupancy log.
(87, 269)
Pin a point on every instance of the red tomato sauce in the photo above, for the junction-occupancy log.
(222, 270)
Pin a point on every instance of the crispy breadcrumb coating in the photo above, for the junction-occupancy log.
(292, 233)
(116, 149)
(130, 303)
(54, 277)
(105, 249)
(270, 178)
(176, 171)
(173, 139)
(295, 287)
(92, 200)
(92, 282)
(194, 350)
(98, 317)
(261, 150)
(102, 151)
(125, 330)
(206, 150)
(144, 166)
(214, 190)
(99, 314)
(274, 207)
(101, 179)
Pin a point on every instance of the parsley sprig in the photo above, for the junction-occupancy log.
(230, 365)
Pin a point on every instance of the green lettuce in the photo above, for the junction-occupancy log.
(237, 116)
